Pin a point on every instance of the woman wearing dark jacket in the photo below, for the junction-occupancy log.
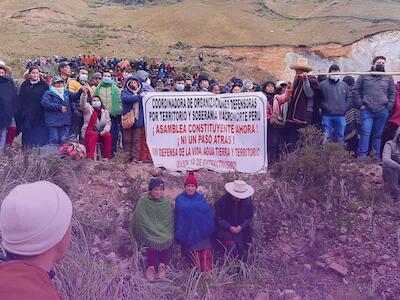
(134, 137)
(234, 214)
(33, 127)
(8, 97)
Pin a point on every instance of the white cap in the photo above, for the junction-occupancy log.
(34, 218)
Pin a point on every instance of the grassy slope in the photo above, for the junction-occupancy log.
(149, 30)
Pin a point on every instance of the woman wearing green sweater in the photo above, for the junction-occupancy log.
(153, 225)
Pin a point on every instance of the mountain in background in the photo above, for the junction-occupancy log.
(150, 27)
(249, 38)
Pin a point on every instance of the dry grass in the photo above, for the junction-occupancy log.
(278, 204)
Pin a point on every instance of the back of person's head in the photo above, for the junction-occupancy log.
(349, 80)
(34, 219)
(321, 78)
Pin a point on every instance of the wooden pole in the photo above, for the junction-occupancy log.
(357, 73)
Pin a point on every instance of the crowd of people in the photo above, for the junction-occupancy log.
(36, 234)
(95, 108)
(102, 109)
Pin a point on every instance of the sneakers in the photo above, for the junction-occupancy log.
(161, 272)
(150, 274)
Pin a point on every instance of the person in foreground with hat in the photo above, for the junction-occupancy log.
(35, 224)
(194, 225)
(58, 110)
(303, 106)
(152, 224)
(234, 214)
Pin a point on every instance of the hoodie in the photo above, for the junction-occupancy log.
(131, 99)
(391, 152)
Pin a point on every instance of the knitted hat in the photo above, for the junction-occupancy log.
(191, 179)
(156, 182)
(34, 218)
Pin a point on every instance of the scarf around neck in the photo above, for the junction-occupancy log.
(115, 100)
(153, 222)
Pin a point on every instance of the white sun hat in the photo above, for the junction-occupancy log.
(239, 189)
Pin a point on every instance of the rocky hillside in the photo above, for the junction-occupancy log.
(324, 229)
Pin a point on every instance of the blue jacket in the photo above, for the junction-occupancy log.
(128, 98)
(52, 103)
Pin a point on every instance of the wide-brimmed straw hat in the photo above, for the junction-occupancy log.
(301, 64)
(239, 189)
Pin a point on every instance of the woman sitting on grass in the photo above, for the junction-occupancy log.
(153, 224)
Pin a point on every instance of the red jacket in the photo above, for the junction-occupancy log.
(21, 280)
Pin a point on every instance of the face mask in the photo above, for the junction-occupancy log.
(107, 80)
(380, 68)
(334, 78)
(83, 77)
(148, 81)
(96, 104)
(59, 90)
(180, 87)
(188, 88)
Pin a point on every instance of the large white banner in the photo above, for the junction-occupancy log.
(190, 131)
